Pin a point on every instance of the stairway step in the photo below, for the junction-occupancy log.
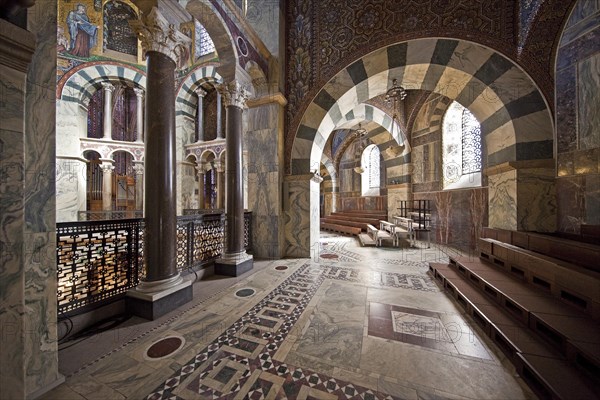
(532, 356)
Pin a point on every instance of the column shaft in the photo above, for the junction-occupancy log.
(107, 182)
(234, 204)
(201, 188)
(139, 93)
(219, 116)
(200, 115)
(107, 114)
(160, 248)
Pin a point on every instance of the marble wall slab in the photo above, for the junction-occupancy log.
(503, 200)
(12, 217)
(263, 145)
(589, 101)
(536, 200)
(184, 128)
(578, 122)
(578, 202)
(71, 181)
(394, 197)
(41, 347)
(299, 235)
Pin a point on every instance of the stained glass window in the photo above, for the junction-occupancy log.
(373, 167)
(204, 44)
(471, 143)
(461, 148)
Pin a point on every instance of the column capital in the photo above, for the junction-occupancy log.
(139, 92)
(107, 165)
(234, 94)
(138, 168)
(200, 169)
(201, 92)
(156, 34)
(108, 86)
(219, 166)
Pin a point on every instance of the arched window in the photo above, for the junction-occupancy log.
(118, 34)
(204, 44)
(461, 148)
(371, 178)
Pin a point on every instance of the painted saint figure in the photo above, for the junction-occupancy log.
(83, 33)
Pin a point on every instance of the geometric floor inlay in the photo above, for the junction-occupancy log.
(424, 328)
(239, 363)
(164, 347)
(246, 292)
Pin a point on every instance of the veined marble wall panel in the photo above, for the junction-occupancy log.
(71, 124)
(263, 145)
(589, 101)
(577, 119)
(70, 189)
(184, 128)
(41, 349)
(394, 197)
(12, 282)
(298, 214)
(536, 200)
(187, 197)
(503, 200)
(578, 200)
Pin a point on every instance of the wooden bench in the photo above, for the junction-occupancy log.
(340, 228)
(379, 235)
(404, 227)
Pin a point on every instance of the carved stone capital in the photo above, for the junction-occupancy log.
(234, 94)
(109, 87)
(107, 165)
(139, 92)
(138, 169)
(156, 34)
(201, 92)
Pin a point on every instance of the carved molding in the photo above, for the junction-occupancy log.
(16, 46)
(234, 94)
(156, 34)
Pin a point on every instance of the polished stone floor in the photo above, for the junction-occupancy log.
(355, 323)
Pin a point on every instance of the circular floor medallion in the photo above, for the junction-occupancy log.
(329, 255)
(281, 267)
(245, 292)
(164, 347)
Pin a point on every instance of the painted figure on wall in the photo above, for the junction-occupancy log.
(83, 33)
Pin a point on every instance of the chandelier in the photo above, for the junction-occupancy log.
(361, 135)
(393, 96)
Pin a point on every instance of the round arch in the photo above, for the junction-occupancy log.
(498, 92)
(80, 84)
(208, 15)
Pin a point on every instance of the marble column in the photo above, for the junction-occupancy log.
(138, 169)
(200, 114)
(107, 115)
(107, 167)
(221, 189)
(139, 94)
(234, 261)
(200, 175)
(163, 289)
(219, 116)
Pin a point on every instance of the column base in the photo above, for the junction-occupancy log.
(234, 264)
(154, 304)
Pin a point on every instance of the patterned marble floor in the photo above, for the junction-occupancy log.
(355, 323)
